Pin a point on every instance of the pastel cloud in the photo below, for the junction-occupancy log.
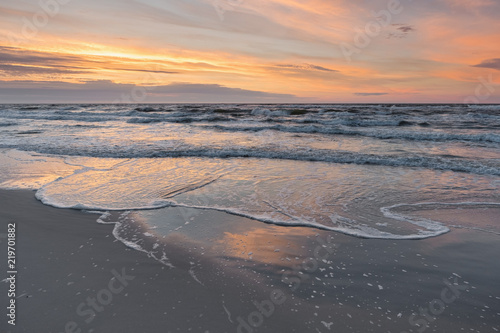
(105, 91)
(306, 67)
(429, 51)
(365, 94)
(490, 63)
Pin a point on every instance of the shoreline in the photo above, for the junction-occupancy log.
(239, 275)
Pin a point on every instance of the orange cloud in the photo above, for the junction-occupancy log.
(274, 46)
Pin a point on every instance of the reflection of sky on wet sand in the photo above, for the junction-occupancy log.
(479, 226)
(364, 283)
(249, 242)
(228, 236)
(19, 169)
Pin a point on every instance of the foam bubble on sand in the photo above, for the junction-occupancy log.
(193, 275)
(121, 226)
(433, 227)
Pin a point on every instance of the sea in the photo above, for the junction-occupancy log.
(363, 217)
(361, 170)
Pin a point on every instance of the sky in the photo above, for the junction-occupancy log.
(242, 51)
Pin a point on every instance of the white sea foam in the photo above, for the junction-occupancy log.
(413, 135)
(266, 112)
(355, 228)
(173, 149)
(433, 225)
(120, 226)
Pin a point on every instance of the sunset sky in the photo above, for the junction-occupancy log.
(297, 51)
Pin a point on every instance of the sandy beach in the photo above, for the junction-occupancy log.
(64, 257)
(74, 276)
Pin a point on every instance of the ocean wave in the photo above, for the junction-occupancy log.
(143, 120)
(149, 109)
(485, 167)
(484, 107)
(147, 191)
(428, 228)
(266, 112)
(440, 116)
(325, 124)
(392, 134)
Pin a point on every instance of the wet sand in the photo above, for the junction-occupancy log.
(64, 257)
(233, 274)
